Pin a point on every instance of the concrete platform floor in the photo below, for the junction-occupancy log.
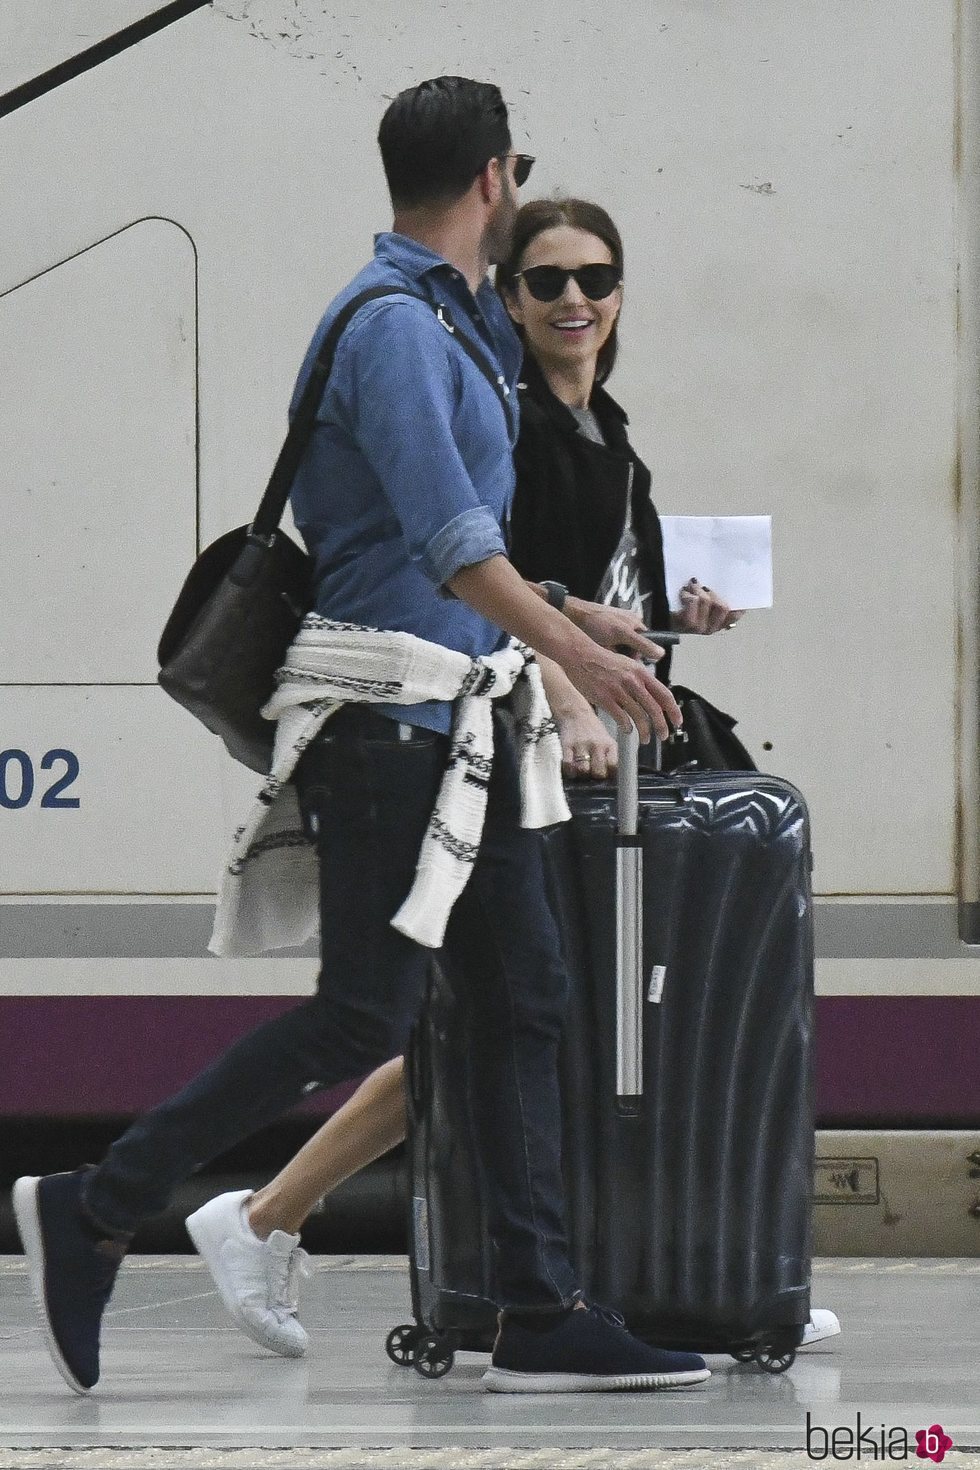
(182, 1389)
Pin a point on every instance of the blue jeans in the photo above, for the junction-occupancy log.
(367, 797)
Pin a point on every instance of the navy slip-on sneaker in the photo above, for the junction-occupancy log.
(586, 1351)
(72, 1271)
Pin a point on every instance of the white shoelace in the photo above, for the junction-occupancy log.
(284, 1280)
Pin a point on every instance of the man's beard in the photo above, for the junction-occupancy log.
(498, 233)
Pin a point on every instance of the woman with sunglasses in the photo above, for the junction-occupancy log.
(582, 516)
(583, 521)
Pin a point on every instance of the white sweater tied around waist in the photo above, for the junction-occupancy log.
(268, 896)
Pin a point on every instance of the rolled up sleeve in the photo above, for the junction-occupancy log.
(394, 389)
(472, 537)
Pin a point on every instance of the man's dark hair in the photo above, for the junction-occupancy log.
(436, 137)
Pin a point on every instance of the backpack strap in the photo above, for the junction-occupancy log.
(497, 381)
(273, 502)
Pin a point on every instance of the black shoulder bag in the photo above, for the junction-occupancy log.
(707, 739)
(246, 595)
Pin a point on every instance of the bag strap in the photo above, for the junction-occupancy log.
(497, 381)
(273, 502)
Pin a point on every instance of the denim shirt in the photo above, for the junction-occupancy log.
(409, 475)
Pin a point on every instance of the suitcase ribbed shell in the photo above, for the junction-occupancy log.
(692, 1216)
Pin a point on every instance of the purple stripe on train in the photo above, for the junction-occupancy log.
(880, 1059)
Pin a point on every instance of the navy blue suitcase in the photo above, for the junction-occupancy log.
(684, 906)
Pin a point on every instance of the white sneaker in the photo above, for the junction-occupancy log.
(821, 1324)
(258, 1279)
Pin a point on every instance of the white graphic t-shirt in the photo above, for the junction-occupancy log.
(625, 583)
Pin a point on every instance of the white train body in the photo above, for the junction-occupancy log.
(797, 187)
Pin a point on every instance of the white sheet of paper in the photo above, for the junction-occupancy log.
(730, 554)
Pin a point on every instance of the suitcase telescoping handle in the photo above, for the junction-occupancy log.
(629, 914)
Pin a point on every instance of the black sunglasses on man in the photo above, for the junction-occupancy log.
(523, 164)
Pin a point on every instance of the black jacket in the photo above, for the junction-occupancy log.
(570, 503)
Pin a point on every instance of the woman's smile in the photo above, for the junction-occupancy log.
(573, 326)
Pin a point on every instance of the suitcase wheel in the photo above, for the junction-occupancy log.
(776, 1356)
(402, 1342)
(744, 1354)
(434, 1355)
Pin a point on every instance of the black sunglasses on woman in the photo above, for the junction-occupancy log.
(547, 282)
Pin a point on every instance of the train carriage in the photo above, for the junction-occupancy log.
(184, 188)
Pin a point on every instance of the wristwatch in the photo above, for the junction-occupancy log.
(556, 593)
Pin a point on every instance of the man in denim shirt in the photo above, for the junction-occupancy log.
(423, 449)
(403, 499)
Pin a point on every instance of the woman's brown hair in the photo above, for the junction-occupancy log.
(539, 215)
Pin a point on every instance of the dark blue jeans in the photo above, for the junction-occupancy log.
(367, 795)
